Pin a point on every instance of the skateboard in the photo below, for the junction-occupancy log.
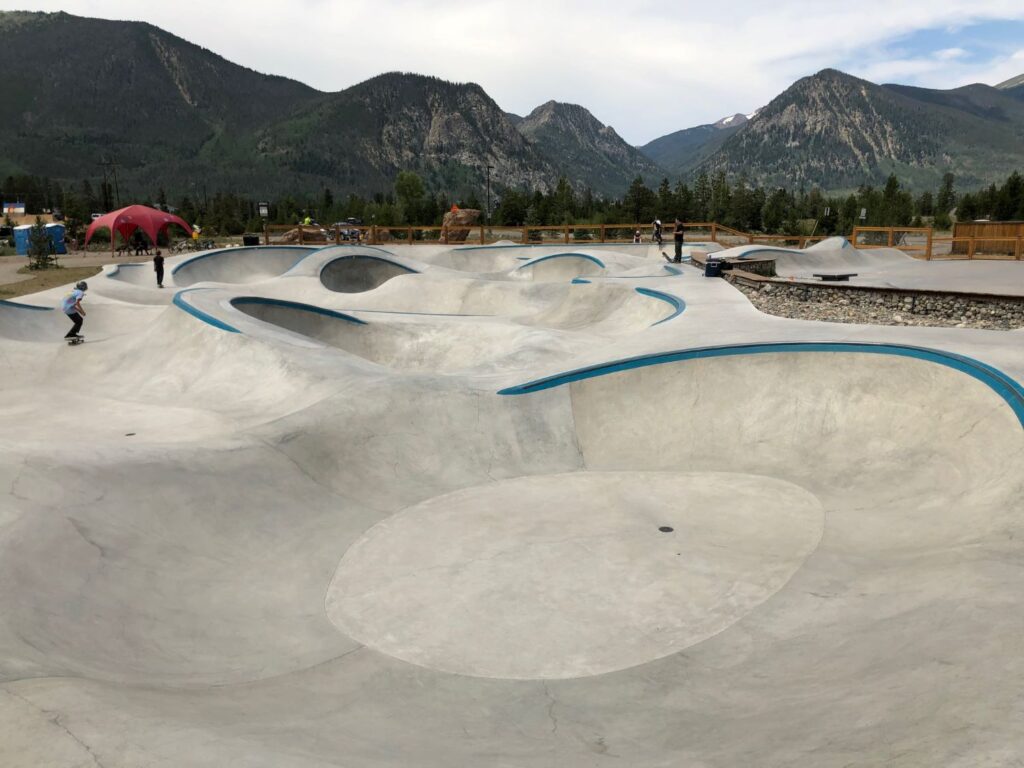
(76, 342)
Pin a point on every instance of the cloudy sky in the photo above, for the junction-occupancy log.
(647, 68)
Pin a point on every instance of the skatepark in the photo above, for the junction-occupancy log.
(506, 505)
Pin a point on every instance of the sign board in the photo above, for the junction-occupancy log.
(863, 214)
(14, 209)
(264, 209)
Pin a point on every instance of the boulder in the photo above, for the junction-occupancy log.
(310, 234)
(458, 222)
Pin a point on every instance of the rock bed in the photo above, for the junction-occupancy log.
(841, 305)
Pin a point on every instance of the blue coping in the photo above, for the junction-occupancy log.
(205, 317)
(580, 281)
(221, 251)
(532, 262)
(311, 308)
(369, 257)
(16, 305)
(677, 304)
(555, 245)
(1002, 384)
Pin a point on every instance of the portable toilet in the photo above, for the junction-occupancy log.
(21, 239)
(55, 232)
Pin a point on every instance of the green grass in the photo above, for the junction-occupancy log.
(42, 280)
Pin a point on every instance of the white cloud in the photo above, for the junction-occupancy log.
(950, 53)
(643, 67)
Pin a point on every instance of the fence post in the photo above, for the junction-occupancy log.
(302, 234)
(928, 246)
(602, 233)
(566, 234)
(373, 234)
(526, 236)
(970, 248)
(481, 234)
(266, 234)
(892, 234)
(714, 232)
(1020, 247)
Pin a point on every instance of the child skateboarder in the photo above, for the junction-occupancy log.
(71, 305)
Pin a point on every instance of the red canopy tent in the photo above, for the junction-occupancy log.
(127, 220)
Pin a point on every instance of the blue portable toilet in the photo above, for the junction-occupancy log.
(21, 238)
(56, 233)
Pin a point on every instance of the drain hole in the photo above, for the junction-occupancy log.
(665, 529)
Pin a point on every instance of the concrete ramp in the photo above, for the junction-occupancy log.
(358, 273)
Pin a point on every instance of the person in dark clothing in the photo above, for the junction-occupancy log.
(657, 232)
(677, 232)
(158, 267)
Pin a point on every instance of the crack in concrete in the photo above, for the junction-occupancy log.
(551, 709)
(55, 719)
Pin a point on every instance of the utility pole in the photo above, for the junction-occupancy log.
(487, 217)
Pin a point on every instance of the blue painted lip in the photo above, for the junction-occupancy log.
(1002, 384)
(311, 308)
(677, 304)
(179, 301)
(588, 257)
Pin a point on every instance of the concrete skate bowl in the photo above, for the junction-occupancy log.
(424, 343)
(483, 259)
(612, 306)
(682, 560)
(859, 475)
(239, 265)
(559, 267)
(135, 274)
(359, 273)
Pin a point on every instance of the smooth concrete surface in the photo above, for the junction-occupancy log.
(240, 528)
(890, 268)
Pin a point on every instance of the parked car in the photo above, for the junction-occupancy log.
(347, 229)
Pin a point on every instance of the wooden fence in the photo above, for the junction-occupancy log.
(920, 242)
(990, 238)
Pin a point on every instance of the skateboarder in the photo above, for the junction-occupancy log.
(657, 232)
(677, 232)
(158, 267)
(72, 307)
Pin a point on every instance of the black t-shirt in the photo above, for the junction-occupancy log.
(158, 262)
(678, 232)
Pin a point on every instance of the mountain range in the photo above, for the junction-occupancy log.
(174, 115)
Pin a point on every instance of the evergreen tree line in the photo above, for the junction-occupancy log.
(711, 197)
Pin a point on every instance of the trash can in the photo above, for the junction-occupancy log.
(713, 268)
(250, 238)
